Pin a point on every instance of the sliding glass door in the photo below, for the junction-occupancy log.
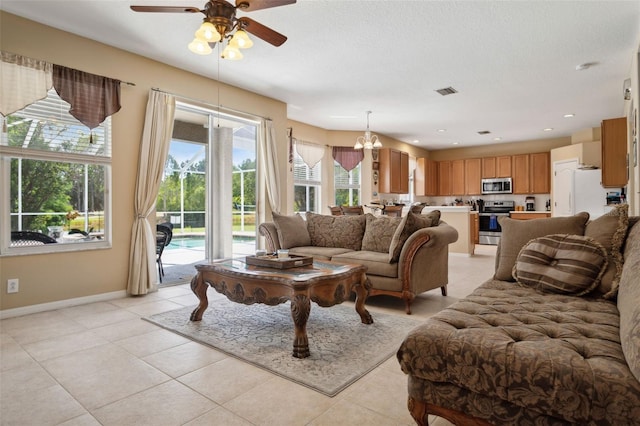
(208, 192)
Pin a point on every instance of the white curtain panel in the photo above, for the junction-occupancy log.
(311, 153)
(269, 161)
(221, 193)
(156, 137)
(22, 81)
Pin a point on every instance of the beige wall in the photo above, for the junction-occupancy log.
(508, 148)
(54, 277)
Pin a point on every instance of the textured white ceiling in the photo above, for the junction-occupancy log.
(512, 62)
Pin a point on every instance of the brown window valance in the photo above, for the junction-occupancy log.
(92, 97)
(347, 157)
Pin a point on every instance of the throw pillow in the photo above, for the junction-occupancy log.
(562, 264)
(292, 231)
(379, 232)
(516, 233)
(336, 231)
(410, 224)
(610, 230)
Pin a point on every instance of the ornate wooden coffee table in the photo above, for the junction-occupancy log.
(326, 283)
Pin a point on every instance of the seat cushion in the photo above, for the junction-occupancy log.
(319, 253)
(377, 263)
(561, 263)
(556, 355)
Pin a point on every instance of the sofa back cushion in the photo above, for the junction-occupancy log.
(517, 233)
(629, 301)
(378, 232)
(562, 264)
(336, 231)
(610, 231)
(410, 224)
(292, 231)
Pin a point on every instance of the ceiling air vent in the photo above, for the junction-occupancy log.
(484, 132)
(447, 91)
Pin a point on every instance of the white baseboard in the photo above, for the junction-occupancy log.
(60, 304)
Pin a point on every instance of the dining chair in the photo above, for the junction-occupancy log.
(352, 210)
(394, 211)
(335, 210)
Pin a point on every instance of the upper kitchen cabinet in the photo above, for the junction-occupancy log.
(394, 171)
(472, 169)
(531, 173)
(458, 177)
(426, 177)
(614, 152)
(496, 167)
(444, 177)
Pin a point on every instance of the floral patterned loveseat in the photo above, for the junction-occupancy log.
(548, 349)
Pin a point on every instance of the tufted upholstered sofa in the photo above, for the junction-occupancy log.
(513, 354)
(404, 256)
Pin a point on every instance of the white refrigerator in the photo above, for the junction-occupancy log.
(580, 191)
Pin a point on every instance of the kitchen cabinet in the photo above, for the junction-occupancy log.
(531, 173)
(393, 171)
(495, 167)
(473, 173)
(444, 177)
(426, 177)
(457, 177)
(529, 215)
(614, 152)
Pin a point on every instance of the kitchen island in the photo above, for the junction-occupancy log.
(458, 217)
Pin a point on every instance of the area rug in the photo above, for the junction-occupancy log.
(342, 348)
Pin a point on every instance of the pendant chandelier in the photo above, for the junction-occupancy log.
(368, 141)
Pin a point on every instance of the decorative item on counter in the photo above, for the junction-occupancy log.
(283, 254)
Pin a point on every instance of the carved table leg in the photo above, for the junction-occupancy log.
(199, 288)
(362, 292)
(300, 308)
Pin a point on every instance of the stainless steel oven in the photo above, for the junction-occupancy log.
(489, 229)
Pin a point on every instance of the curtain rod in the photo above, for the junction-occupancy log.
(156, 89)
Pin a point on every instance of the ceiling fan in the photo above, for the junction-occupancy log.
(220, 21)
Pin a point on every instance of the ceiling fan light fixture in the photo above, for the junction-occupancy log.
(231, 52)
(208, 32)
(368, 141)
(200, 47)
(242, 40)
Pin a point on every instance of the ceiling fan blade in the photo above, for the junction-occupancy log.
(167, 9)
(250, 5)
(263, 32)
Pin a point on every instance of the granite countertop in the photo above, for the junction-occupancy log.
(453, 209)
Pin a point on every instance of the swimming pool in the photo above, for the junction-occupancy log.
(197, 241)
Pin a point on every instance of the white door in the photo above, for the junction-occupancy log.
(562, 196)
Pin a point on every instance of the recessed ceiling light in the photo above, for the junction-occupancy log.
(416, 141)
(548, 129)
(442, 130)
(497, 139)
(455, 143)
(569, 115)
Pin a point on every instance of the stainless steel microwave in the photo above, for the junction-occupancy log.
(497, 186)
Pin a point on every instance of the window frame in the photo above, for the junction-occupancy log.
(308, 183)
(349, 186)
(8, 153)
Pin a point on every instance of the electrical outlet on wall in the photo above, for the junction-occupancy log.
(13, 285)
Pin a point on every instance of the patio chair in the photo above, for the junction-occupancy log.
(29, 238)
(164, 234)
(352, 210)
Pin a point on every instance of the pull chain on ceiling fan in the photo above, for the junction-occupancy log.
(220, 22)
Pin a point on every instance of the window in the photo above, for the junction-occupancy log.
(55, 178)
(347, 185)
(306, 185)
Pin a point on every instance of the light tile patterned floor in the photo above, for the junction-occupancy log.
(99, 364)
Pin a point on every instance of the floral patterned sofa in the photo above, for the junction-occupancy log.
(404, 256)
(559, 346)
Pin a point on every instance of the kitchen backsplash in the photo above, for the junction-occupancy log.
(540, 203)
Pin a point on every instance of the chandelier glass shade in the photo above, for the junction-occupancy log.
(368, 141)
(209, 33)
